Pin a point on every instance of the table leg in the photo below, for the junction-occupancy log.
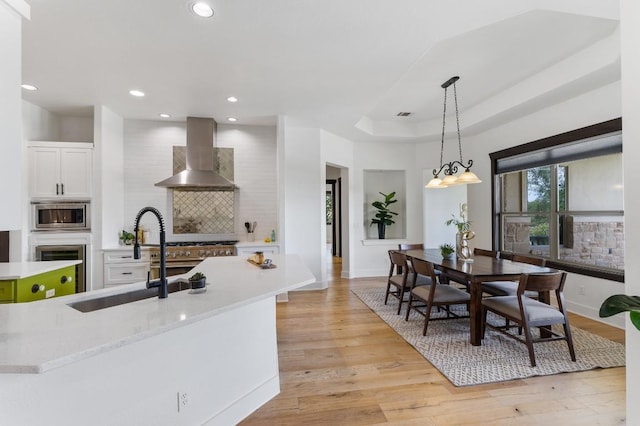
(475, 313)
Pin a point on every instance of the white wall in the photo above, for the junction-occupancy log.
(108, 187)
(302, 196)
(11, 177)
(255, 173)
(630, 40)
(370, 257)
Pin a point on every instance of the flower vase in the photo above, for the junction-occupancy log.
(381, 230)
(462, 245)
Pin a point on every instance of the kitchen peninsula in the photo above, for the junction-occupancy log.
(193, 358)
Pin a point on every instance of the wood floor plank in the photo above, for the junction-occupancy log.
(340, 364)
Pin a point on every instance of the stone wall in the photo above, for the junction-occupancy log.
(597, 243)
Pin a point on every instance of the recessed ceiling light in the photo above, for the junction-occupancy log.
(29, 87)
(137, 93)
(232, 99)
(164, 115)
(232, 119)
(202, 9)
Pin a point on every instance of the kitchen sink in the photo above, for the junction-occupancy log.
(98, 303)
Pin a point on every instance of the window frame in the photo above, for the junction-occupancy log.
(599, 129)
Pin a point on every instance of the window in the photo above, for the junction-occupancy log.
(561, 198)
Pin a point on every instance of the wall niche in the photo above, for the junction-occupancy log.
(385, 181)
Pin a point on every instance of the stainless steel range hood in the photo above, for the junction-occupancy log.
(200, 171)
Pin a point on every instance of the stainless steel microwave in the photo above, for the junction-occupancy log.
(61, 216)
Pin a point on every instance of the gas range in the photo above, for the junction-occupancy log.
(194, 251)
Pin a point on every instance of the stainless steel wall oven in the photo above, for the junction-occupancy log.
(60, 216)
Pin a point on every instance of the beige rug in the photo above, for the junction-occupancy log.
(500, 358)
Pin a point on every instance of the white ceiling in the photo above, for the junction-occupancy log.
(348, 66)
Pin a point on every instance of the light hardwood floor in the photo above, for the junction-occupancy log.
(340, 364)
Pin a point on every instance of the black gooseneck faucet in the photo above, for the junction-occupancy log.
(163, 291)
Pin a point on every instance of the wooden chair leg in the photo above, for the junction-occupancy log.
(386, 296)
(567, 333)
(406, 318)
(529, 340)
(427, 315)
(400, 297)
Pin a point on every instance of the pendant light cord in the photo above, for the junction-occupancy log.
(455, 99)
(444, 117)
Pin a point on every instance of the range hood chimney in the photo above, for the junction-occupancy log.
(199, 174)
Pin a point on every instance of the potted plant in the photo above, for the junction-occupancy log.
(384, 215)
(198, 280)
(447, 251)
(126, 237)
(621, 303)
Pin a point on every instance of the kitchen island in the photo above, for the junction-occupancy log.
(192, 358)
(29, 281)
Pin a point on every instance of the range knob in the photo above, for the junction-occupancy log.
(173, 254)
(201, 253)
(209, 253)
(228, 252)
(187, 253)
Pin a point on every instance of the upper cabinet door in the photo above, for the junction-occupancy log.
(75, 172)
(44, 172)
(60, 172)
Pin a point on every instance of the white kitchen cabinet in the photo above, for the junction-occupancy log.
(246, 249)
(60, 170)
(121, 268)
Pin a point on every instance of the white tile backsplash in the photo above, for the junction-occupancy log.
(148, 159)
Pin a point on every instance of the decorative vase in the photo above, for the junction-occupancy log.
(462, 245)
(381, 230)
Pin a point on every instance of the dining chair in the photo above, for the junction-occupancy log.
(483, 252)
(434, 295)
(420, 246)
(528, 313)
(509, 288)
(401, 278)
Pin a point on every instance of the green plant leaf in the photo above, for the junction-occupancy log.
(619, 303)
(635, 318)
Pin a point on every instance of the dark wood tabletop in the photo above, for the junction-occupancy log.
(480, 269)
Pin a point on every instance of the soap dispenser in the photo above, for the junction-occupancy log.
(273, 235)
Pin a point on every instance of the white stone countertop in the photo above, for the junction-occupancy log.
(17, 270)
(42, 335)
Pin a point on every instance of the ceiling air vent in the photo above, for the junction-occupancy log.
(404, 114)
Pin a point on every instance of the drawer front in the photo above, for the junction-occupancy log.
(125, 273)
(124, 256)
(7, 291)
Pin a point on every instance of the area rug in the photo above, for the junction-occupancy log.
(500, 358)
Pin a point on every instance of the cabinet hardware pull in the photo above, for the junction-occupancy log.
(57, 189)
(127, 273)
(126, 257)
(62, 187)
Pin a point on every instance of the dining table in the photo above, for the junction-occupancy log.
(474, 272)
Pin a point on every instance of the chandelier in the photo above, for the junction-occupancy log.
(450, 169)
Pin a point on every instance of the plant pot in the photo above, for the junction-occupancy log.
(450, 256)
(381, 230)
(197, 284)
